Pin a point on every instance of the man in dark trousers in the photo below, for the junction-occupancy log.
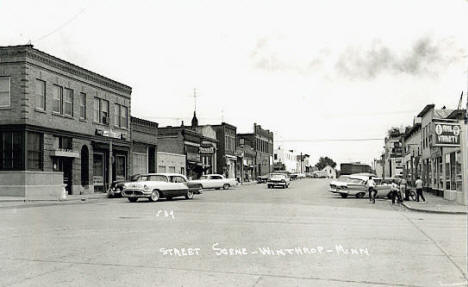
(419, 189)
(371, 188)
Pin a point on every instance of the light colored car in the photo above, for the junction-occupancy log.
(356, 185)
(278, 179)
(159, 185)
(216, 181)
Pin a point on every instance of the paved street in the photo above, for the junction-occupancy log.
(301, 236)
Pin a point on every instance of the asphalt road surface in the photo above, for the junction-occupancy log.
(247, 236)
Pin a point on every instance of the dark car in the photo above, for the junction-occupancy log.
(115, 190)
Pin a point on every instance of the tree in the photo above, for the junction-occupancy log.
(324, 161)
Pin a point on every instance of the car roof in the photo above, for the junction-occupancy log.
(165, 174)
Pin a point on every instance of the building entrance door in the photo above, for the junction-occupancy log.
(67, 174)
(99, 171)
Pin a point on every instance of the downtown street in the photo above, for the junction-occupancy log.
(245, 236)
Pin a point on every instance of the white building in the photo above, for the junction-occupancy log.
(329, 171)
(287, 157)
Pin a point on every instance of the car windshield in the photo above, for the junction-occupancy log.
(152, 178)
(277, 176)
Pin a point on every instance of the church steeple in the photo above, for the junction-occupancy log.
(194, 120)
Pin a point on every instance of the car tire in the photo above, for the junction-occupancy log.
(344, 195)
(189, 195)
(154, 196)
(360, 195)
(132, 199)
(226, 186)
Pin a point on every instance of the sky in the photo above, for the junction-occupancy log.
(329, 78)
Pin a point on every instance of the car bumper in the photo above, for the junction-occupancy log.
(133, 193)
(341, 191)
(277, 183)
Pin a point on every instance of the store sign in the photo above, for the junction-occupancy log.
(206, 150)
(447, 134)
(109, 133)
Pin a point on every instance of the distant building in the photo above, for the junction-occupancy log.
(393, 157)
(329, 171)
(262, 141)
(286, 158)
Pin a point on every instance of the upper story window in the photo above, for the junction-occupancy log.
(40, 94)
(101, 111)
(120, 116)
(68, 102)
(57, 93)
(82, 106)
(4, 92)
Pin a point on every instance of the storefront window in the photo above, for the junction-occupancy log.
(34, 150)
(453, 167)
(440, 173)
(11, 150)
(120, 167)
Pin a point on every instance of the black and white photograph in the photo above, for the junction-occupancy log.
(234, 143)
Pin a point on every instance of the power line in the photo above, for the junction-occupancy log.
(61, 26)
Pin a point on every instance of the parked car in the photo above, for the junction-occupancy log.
(115, 190)
(262, 178)
(278, 179)
(355, 185)
(160, 185)
(215, 181)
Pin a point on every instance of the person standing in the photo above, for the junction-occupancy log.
(371, 189)
(419, 189)
(404, 188)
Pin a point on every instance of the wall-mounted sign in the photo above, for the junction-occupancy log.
(206, 150)
(446, 134)
(109, 133)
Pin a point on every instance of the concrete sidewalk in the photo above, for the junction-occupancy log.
(17, 201)
(436, 204)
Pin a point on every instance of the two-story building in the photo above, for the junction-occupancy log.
(144, 146)
(60, 124)
(262, 140)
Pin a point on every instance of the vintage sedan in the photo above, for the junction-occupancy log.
(216, 181)
(160, 185)
(356, 185)
(278, 179)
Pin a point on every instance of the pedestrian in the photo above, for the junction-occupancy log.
(404, 188)
(395, 189)
(419, 189)
(371, 189)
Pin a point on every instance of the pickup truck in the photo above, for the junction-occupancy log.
(215, 181)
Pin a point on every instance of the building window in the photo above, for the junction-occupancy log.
(172, 169)
(120, 167)
(116, 115)
(82, 105)
(4, 92)
(161, 168)
(34, 150)
(40, 94)
(68, 102)
(57, 93)
(182, 170)
(123, 117)
(96, 109)
(101, 111)
(11, 150)
(104, 119)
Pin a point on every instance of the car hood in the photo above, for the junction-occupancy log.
(339, 183)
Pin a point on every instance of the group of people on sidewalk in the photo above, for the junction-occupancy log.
(398, 187)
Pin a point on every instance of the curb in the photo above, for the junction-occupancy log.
(433, 211)
(43, 203)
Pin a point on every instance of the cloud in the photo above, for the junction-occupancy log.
(425, 57)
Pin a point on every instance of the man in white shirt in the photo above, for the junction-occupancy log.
(371, 189)
(419, 189)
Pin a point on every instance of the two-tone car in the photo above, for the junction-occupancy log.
(356, 185)
(216, 181)
(154, 186)
(278, 179)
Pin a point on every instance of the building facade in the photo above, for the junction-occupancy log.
(393, 160)
(262, 142)
(412, 152)
(144, 146)
(286, 157)
(60, 125)
(226, 155)
(208, 146)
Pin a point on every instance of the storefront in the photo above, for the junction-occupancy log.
(208, 157)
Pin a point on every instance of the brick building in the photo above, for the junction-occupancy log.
(262, 142)
(178, 141)
(144, 146)
(226, 155)
(59, 124)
